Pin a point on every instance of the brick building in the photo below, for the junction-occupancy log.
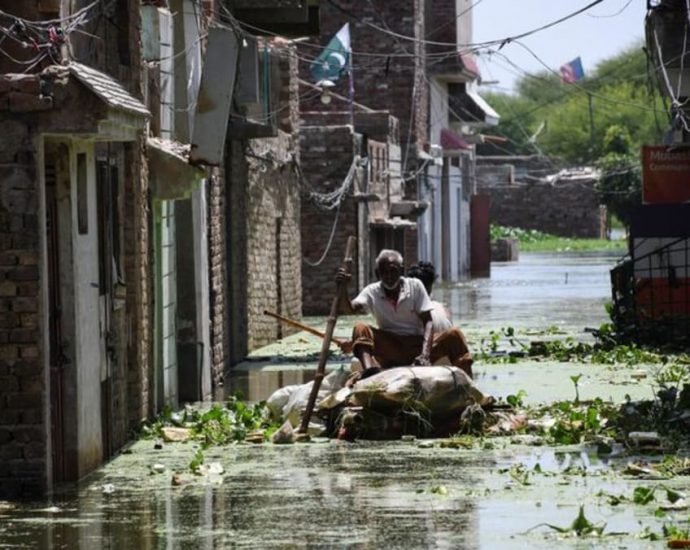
(408, 60)
(75, 270)
(133, 257)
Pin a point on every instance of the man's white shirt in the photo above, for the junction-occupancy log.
(403, 317)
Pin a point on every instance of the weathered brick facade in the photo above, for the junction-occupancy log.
(263, 242)
(573, 211)
(23, 406)
(519, 189)
(32, 107)
(138, 274)
(396, 85)
(217, 272)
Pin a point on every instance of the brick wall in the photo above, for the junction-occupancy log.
(327, 153)
(442, 27)
(263, 246)
(236, 251)
(24, 393)
(264, 250)
(23, 428)
(138, 275)
(217, 274)
(273, 241)
(566, 208)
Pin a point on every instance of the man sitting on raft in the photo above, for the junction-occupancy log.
(402, 309)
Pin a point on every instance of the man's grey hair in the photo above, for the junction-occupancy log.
(386, 254)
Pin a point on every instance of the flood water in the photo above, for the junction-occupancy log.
(567, 291)
(366, 494)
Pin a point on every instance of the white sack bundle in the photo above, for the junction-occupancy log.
(436, 391)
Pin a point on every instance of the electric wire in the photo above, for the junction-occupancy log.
(610, 15)
(502, 41)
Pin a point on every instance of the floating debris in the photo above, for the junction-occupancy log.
(284, 435)
(173, 434)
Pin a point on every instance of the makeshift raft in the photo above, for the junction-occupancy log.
(431, 401)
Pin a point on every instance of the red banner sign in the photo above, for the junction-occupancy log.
(665, 174)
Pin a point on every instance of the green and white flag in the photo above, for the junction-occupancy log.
(334, 60)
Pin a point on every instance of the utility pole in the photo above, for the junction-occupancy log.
(591, 120)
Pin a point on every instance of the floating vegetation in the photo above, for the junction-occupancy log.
(503, 345)
(219, 425)
(458, 442)
(580, 527)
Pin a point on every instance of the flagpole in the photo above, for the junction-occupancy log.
(352, 91)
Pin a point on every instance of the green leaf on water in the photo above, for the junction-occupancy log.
(673, 496)
(581, 526)
(643, 495)
(197, 461)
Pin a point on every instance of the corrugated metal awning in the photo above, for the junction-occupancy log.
(109, 90)
(490, 116)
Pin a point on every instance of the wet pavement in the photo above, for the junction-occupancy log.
(402, 494)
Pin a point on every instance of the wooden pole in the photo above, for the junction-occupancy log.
(301, 326)
(325, 345)
(591, 119)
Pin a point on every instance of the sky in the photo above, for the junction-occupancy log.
(594, 35)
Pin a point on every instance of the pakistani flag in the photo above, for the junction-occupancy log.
(334, 60)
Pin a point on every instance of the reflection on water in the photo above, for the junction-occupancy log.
(363, 495)
(321, 494)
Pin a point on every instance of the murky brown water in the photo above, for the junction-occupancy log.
(370, 495)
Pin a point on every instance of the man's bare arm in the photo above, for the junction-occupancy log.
(342, 278)
(424, 358)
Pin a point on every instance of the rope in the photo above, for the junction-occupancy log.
(328, 246)
(329, 201)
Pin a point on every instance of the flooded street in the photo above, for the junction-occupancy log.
(403, 494)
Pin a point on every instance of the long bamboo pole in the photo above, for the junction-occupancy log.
(301, 326)
(325, 345)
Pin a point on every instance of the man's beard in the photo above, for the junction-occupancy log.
(394, 286)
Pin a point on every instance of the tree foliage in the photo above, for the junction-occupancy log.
(618, 92)
(620, 184)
